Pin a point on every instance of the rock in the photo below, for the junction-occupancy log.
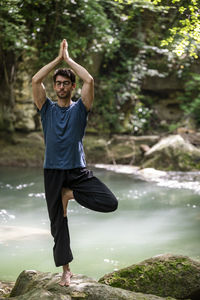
(168, 110)
(183, 130)
(24, 117)
(163, 275)
(106, 151)
(120, 149)
(27, 149)
(34, 285)
(162, 84)
(123, 169)
(144, 148)
(5, 288)
(24, 109)
(9, 233)
(125, 149)
(24, 150)
(138, 140)
(173, 153)
(151, 174)
(23, 87)
(190, 135)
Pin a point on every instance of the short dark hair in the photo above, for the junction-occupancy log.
(68, 73)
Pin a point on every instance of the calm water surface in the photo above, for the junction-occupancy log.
(150, 220)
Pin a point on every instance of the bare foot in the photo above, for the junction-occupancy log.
(66, 278)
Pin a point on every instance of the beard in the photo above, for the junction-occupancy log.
(63, 94)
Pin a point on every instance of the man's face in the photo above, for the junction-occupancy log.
(63, 87)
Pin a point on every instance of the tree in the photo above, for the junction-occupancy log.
(34, 29)
(12, 43)
(184, 34)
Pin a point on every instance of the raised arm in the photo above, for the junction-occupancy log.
(38, 88)
(87, 91)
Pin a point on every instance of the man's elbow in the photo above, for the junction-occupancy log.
(35, 80)
(90, 80)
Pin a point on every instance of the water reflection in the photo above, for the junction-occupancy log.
(150, 220)
(5, 217)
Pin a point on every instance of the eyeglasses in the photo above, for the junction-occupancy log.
(64, 83)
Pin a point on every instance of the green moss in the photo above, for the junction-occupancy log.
(171, 277)
(168, 161)
(188, 162)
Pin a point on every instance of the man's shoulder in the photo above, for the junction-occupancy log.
(75, 104)
(77, 101)
(80, 104)
(49, 102)
(46, 106)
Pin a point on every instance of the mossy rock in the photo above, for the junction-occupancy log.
(24, 150)
(173, 153)
(34, 285)
(165, 275)
(5, 288)
(110, 150)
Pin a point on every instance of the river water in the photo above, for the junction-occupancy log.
(152, 218)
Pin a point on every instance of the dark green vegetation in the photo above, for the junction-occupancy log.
(141, 86)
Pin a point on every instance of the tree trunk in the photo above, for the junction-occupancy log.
(7, 97)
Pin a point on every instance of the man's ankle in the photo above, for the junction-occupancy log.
(66, 268)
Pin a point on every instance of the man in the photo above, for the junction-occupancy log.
(65, 174)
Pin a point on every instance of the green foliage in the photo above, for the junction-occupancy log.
(172, 127)
(191, 98)
(50, 22)
(184, 37)
(39, 26)
(141, 119)
(34, 29)
(12, 24)
(120, 40)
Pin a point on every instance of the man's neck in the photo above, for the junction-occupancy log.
(64, 102)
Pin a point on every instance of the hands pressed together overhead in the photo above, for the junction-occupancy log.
(63, 52)
(87, 91)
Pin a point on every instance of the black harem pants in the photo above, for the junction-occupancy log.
(88, 191)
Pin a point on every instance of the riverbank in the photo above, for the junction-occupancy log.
(22, 150)
(27, 149)
(120, 154)
(170, 179)
(178, 152)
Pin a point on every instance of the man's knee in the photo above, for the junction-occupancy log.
(113, 204)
